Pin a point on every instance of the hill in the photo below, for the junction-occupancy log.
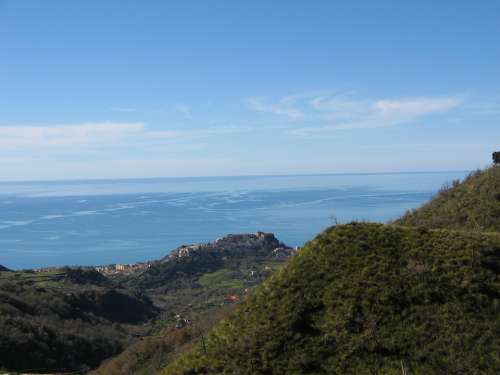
(195, 286)
(473, 204)
(4, 269)
(187, 263)
(149, 355)
(197, 279)
(66, 319)
(72, 319)
(367, 299)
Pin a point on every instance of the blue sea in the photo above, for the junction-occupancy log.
(125, 221)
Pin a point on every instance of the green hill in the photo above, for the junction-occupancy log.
(473, 204)
(192, 285)
(194, 280)
(149, 355)
(367, 299)
(73, 319)
(240, 253)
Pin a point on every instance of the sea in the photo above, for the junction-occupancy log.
(98, 222)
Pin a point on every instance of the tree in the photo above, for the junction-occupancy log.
(496, 158)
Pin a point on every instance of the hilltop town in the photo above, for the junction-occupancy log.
(231, 243)
(237, 243)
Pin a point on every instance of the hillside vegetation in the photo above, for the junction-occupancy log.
(187, 264)
(367, 299)
(473, 204)
(191, 286)
(195, 280)
(73, 319)
(151, 354)
(66, 320)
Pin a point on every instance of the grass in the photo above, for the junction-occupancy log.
(361, 299)
(223, 278)
(473, 204)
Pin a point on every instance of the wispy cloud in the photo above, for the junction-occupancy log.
(105, 134)
(281, 108)
(182, 108)
(138, 110)
(69, 135)
(416, 107)
(326, 113)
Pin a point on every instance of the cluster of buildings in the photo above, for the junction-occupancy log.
(260, 242)
(114, 269)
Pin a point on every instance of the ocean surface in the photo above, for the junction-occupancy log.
(125, 221)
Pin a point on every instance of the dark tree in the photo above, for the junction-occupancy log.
(496, 157)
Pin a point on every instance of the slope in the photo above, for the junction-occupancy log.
(66, 320)
(473, 204)
(367, 299)
(195, 286)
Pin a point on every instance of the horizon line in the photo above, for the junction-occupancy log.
(234, 176)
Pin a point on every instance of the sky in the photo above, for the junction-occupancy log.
(122, 89)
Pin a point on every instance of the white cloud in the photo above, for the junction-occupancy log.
(282, 108)
(339, 106)
(327, 113)
(416, 107)
(70, 135)
(80, 137)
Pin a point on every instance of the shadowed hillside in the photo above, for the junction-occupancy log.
(149, 355)
(367, 299)
(66, 320)
(473, 204)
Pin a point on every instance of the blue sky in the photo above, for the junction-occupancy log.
(105, 89)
